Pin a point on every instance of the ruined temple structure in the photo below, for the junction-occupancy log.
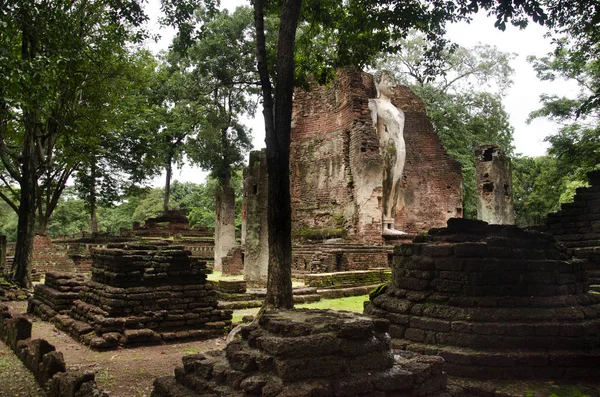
(174, 224)
(494, 186)
(336, 172)
(142, 294)
(577, 226)
(336, 167)
(306, 353)
(494, 301)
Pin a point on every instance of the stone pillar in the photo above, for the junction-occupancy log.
(256, 253)
(494, 186)
(224, 224)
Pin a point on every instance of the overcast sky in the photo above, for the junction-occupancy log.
(520, 100)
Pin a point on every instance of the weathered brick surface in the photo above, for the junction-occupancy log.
(308, 353)
(494, 186)
(336, 169)
(46, 364)
(233, 262)
(348, 279)
(492, 297)
(320, 258)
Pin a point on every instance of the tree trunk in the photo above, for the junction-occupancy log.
(168, 184)
(93, 193)
(278, 117)
(21, 270)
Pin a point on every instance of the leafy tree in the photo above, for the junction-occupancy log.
(44, 72)
(222, 78)
(358, 31)
(116, 152)
(69, 217)
(462, 91)
(537, 187)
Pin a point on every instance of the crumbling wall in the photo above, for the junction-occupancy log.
(494, 186)
(336, 167)
(50, 257)
(46, 364)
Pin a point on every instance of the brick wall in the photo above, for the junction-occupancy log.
(336, 170)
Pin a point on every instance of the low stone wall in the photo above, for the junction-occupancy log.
(326, 258)
(355, 278)
(42, 359)
(307, 353)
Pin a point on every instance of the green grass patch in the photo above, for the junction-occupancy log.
(352, 304)
(217, 275)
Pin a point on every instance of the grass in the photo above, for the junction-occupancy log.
(352, 304)
(190, 350)
(217, 275)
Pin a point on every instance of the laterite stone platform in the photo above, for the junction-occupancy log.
(306, 353)
(495, 302)
(143, 294)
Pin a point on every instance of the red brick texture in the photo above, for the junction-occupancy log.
(336, 169)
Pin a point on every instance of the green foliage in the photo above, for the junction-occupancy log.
(575, 148)
(537, 187)
(8, 221)
(216, 77)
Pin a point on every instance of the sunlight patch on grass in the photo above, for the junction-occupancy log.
(352, 304)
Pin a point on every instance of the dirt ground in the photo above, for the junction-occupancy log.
(121, 373)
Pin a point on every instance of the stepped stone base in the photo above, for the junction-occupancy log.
(495, 302)
(56, 295)
(307, 353)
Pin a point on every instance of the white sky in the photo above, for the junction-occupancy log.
(520, 100)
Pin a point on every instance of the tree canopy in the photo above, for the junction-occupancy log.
(463, 94)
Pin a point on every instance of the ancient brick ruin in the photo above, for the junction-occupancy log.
(577, 226)
(336, 166)
(307, 353)
(144, 293)
(494, 186)
(233, 263)
(495, 302)
(336, 257)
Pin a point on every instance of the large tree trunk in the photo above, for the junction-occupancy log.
(21, 270)
(168, 184)
(278, 117)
